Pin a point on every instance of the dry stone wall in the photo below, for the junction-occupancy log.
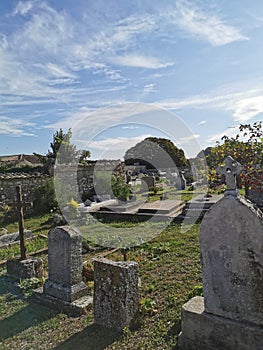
(28, 182)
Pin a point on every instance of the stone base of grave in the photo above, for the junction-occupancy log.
(204, 331)
(20, 269)
(66, 293)
(73, 309)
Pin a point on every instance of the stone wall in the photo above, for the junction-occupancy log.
(28, 182)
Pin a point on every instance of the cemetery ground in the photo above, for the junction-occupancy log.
(170, 274)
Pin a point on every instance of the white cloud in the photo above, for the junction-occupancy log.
(230, 132)
(23, 7)
(204, 25)
(248, 108)
(148, 88)
(14, 127)
(187, 139)
(87, 121)
(140, 61)
(202, 122)
(117, 143)
(244, 105)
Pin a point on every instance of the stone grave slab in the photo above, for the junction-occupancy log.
(160, 207)
(122, 208)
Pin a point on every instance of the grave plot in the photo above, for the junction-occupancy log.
(166, 207)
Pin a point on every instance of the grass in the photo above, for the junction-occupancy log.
(169, 273)
(37, 224)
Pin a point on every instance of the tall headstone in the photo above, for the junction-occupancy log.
(230, 316)
(64, 289)
(116, 296)
(65, 265)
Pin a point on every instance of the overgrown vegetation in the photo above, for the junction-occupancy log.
(169, 273)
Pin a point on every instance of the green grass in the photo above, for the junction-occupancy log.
(169, 272)
(31, 246)
(37, 224)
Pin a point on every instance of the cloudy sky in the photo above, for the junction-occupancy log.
(117, 71)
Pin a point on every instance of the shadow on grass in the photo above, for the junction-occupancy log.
(173, 332)
(30, 315)
(26, 317)
(93, 337)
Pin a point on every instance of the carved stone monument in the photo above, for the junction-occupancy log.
(230, 316)
(64, 288)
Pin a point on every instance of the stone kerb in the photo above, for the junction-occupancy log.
(116, 295)
(231, 241)
(65, 265)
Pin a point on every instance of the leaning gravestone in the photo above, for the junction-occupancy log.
(230, 316)
(64, 288)
(116, 296)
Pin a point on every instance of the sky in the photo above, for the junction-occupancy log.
(118, 71)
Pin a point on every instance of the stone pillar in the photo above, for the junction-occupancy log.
(65, 265)
(116, 295)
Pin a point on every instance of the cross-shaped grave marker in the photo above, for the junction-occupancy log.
(23, 254)
(231, 168)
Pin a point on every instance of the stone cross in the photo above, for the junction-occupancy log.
(230, 169)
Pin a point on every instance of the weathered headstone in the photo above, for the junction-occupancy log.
(230, 316)
(147, 182)
(65, 265)
(116, 296)
(64, 288)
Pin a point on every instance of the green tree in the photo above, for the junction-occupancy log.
(247, 148)
(156, 152)
(61, 147)
(84, 155)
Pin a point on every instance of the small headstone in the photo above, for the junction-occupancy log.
(116, 296)
(22, 269)
(147, 183)
(65, 265)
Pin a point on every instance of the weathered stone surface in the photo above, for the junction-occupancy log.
(12, 237)
(116, 296)
(204, 331)
(20, 269)
(65, 264)
(231, 240)
(255, 196)
(72, 309)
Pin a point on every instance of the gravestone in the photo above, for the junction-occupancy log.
(147, 182)
(64, 288)
(230, 316)
(116, 296)
(65, 265)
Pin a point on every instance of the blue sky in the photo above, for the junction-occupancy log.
(118, 71)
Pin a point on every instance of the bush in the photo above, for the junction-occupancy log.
(45, 198)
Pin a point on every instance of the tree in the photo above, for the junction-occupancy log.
(84, 155)
(155, 152)
(247, 148)
(61, 147)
